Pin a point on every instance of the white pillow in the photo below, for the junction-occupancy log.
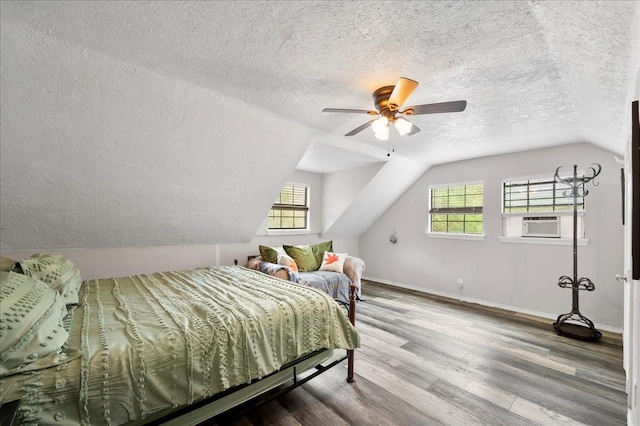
(286, 260)
(333, 261)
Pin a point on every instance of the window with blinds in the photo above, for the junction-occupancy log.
(291, 209)
(456, 209)
(537, 195)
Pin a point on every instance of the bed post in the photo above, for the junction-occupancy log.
(352, 318)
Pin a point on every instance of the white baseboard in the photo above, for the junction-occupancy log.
(480, 302)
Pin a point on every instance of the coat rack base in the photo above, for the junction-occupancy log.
(577, 331)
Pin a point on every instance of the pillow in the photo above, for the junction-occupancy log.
(319, 249)
(58, 272)
(286, 260)
(31, 323)
(333, 261)
(303, 256)
(6, 264)
(353, 268)
(270, 254)
(254, 263)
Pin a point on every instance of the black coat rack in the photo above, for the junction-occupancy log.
(574, 324)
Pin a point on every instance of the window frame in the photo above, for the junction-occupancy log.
(291, 207)
(467, 210)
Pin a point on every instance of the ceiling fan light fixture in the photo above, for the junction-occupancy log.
(380, 125)
(383, 135)
(403, 126)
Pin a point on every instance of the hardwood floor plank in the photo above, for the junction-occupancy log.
(435, 340)
(381, 335)
(310, 411)
(617, 396)
(500, 345)
(433, 313)
(540, 415)
(546, 391)
(447, 369)
(271, 413)
(440, 410)
(365, 403)
(486, 412)
(417, 376)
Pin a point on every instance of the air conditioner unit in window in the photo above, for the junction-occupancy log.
(541, 226)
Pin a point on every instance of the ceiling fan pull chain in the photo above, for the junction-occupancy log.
(391, 145)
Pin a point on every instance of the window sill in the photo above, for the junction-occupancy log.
(543, 241)
(443, 235)
(288, 232)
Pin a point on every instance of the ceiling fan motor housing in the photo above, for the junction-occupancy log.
(381, 101)
(381, 97)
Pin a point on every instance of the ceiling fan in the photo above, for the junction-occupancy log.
(388, 100)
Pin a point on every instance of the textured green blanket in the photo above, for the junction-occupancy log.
(152, 342)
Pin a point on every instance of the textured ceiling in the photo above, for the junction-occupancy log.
(556, 70)
(534, 74)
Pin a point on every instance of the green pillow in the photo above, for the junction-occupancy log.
(34, 327)
(303, 256)
(270, 254)
(56, 271)
(319, 249)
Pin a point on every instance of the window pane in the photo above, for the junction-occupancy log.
(438, 226)
(456, 227)
(537, 195)
(290, 209)
(448, 207)
(473, 228)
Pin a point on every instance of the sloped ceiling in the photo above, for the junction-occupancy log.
(151, 123)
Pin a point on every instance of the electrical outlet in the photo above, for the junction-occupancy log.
(460, 283)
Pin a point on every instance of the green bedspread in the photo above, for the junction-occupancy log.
(154, 342)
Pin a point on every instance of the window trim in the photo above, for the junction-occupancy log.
(462, 210)
(292, 207)
(452, 236)
(542, 241)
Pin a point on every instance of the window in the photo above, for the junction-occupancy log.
(539, 210)
(456, 209)
(291, 209)
(537, 195)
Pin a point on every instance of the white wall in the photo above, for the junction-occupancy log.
(522, 277)
(97, 152)
(123, 261)
(340, 189)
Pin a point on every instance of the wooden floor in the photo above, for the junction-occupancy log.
(427, 360)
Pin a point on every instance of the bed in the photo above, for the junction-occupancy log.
(138, 349)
